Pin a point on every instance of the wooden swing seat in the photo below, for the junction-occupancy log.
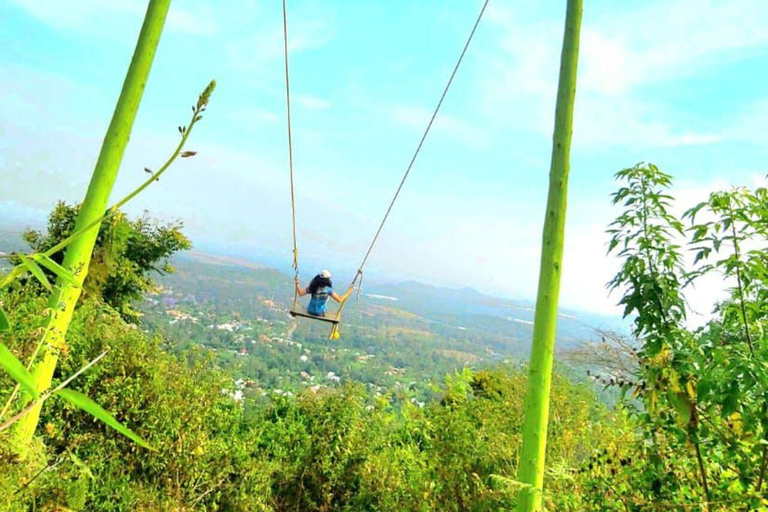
(303, 314)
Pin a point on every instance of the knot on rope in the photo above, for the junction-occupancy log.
(359, 286)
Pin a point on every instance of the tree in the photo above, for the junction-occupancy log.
(701, 414)
(125, 255)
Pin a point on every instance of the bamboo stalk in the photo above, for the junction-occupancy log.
(78, 255)
(531, 469)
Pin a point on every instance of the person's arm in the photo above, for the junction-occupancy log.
(301, 291)
(340, 298)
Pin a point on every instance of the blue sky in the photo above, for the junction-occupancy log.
(681, 83)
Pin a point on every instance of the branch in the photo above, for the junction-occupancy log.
(48, 394)
(197, 110)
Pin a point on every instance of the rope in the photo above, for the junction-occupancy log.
(359, 275)
(295, 264)
(335, 330)
(421, 143)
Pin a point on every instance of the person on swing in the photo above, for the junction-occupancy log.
(321, 289)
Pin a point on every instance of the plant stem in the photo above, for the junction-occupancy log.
(31, 361)
(703, 472)
(738, 279)
(112, 210)
(37, 475)
(647, 251)
(532, 458)
(761, 477)
(45, 396)
(78, 254)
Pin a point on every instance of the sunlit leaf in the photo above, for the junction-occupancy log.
(17, 371)
(35, 270)
(57, 269)
(5, 324)
(81, 401)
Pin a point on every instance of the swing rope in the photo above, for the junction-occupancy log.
(295, 264)
(359, 275)
(421, 143)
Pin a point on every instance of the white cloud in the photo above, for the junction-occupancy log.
(601, 120)
(263, 42)
(668, 40)
(246, 117)
(240, 198)
(112, 19)
(751, 123)
(312, 102)
(622, 54)
(451, 126)
(197, 20)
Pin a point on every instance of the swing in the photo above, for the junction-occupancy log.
(300, 312)
(297, 310)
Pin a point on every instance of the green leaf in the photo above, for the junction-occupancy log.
(57, 269)
(81, 401)
(36, 271)
(503, 481)
(20, 374)
(5, 324)
(84, 469)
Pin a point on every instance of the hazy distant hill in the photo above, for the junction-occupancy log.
(10, 240)
(464, 318)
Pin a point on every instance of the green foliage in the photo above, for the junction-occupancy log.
(697, 412)
(651, 275)
(5, 325)
(126, 256)
(17, 371)
(81, 401)
(703, 422)
(35, 270)
(342, 449)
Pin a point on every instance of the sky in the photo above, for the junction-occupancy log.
(680, 83)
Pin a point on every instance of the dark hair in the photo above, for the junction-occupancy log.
(319, 282)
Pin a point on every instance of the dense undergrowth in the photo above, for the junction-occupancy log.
(688, 435)
(337, 449)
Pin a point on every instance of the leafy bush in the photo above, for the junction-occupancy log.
(702, 415)
(126, 255)
(327, 450)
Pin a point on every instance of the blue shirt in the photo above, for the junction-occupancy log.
(318, 304)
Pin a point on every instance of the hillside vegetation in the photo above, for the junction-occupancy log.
(245, 412)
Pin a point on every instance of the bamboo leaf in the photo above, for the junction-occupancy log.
(17, 371)
(57, 269)
(81, 401)
(5, 324)
(503, 481)
(35, 270)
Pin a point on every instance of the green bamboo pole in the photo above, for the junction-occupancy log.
(531, 470)
(78, 255)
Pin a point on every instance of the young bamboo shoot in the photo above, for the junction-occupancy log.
(531, 470)
(78, 255)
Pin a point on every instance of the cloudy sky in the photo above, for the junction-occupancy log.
(681, 83)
